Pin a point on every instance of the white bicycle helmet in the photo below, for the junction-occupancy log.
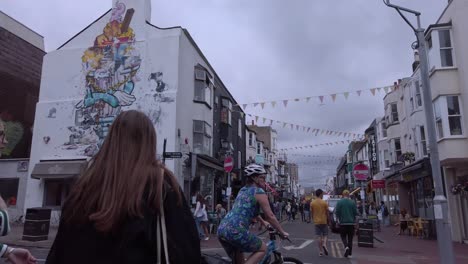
(254, 170)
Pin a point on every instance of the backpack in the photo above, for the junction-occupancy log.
(385, 211)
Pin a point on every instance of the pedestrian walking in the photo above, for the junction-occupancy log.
(11, 254)
(288, 211)
(307, 210)
(301, 211)
(346, 212)
(201, 218)
(294, 210)
(319, 210)
(385, 213)
(282, 210)
(123, 201)
(220, 213)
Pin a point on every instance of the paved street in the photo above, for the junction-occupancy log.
(395, 249)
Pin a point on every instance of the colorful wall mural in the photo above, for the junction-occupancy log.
(11, 134)
(109, 68)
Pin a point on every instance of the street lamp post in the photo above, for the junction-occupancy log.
(444, 233)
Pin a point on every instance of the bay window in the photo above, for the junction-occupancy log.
(201, 137)
(448, 116)
(203, 86)
(445, 43)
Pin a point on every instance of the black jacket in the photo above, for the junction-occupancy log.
(134, 243)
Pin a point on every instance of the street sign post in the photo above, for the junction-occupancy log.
(228, 166)
(173, 155)
(360, 172)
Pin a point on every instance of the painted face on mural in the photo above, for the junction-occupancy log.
(3, 139)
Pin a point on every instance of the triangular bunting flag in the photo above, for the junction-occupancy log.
(255, 104)
(264, 119)
(262, 105)
(333, 96)
(372, 90)
(316, 132)
(308, 99)
(292, 126)
(346, 94)
(308, 129)
(244, 106)
(256, 119)
(385, 89)
(378, 89)
(321, 99)
(297, 127)
(358, 93)
(271, 122)
(323, 131)
(284, 125)
(285, 102)
(339, 134)
(273, 104)
(297, 99)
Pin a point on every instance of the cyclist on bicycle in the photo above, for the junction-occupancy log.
(233, 231)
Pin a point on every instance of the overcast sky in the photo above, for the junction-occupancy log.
(270, 49)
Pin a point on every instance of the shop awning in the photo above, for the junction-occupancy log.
(58, 169)
(210, 162)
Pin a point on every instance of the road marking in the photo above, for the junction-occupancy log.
(303, 245)
(336, 249)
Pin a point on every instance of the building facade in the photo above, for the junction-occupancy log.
(120, 62)
(22, 52)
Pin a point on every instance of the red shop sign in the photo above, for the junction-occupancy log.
(378, 184)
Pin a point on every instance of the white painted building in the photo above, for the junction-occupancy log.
(447, 40)
(119, 62)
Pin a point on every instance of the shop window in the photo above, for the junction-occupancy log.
(9, 190)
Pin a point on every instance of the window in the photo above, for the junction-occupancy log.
(412, 103)
(447, 113)
(9, 190)
(226, 111)
(55, 192)
(423, 141)
(239, 159)
(259, 148)
(250, 139)
(438, 119)
(239, 127)
(418, 100)
(397, 149)
(201, 137)
(203, 86)
(386, 158)
(445, 48)
(384, 129)
(429, 42)
(454, 116)
(394, 112)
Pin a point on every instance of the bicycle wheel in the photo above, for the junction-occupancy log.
(288, 260)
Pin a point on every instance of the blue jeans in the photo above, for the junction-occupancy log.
(198, 221)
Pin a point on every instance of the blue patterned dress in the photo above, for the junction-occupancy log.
(235, 225)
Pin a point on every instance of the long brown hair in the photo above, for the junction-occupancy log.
(122, 176)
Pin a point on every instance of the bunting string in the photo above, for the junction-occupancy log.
(317, 145)
(321, 98)
(306, 129)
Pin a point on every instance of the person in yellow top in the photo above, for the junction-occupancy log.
(319, 211)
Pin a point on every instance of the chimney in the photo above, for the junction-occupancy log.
(416, 60)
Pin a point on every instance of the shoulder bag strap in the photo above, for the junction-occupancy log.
(163, 224)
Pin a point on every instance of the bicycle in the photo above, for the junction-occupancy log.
(273, 255)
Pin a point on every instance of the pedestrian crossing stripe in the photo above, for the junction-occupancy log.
(336, 249)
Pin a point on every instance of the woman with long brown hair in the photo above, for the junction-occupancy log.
(111, 213)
